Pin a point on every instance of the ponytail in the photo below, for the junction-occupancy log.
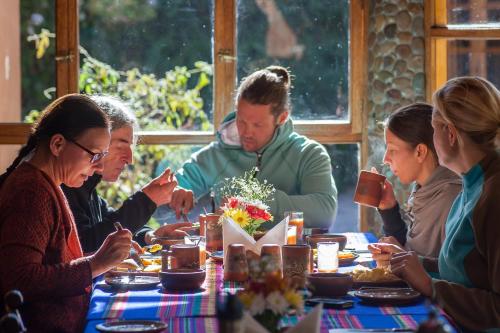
(25, 150)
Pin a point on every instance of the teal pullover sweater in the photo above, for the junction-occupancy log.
(299, 168)
(469, 261)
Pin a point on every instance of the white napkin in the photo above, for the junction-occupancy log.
(232, 233)
(310, 323)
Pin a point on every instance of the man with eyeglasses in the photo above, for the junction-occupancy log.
(93, 217)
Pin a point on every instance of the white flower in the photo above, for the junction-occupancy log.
(258, 305)
(277, 302)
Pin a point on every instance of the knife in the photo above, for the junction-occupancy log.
(133, 253)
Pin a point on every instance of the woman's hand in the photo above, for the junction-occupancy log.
(383, 252)
(388, 199)
(407, 266)
(390, 240)
(114, 249)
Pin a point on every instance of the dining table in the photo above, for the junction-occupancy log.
(196, 311)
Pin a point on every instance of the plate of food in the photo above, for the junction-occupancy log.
(132, 282)
(217, 256)
(346, 258)
(387, 295)
(129, 326)
(152, 265)
(375, 277)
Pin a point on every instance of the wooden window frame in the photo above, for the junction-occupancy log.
(224, 51)
(438, 33)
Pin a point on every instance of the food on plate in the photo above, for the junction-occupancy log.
(361, 273)
(153, 248)
(151, 265)
(127, 264)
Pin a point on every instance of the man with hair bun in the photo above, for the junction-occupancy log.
(260, 134)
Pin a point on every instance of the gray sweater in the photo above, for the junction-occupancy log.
(420, 227)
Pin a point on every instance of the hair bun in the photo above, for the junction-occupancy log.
(281, 72)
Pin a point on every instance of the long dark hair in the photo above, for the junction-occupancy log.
(412, 124)
(69, 115)
(269, 86)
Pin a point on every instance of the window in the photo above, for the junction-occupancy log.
(204, 48)
(463, 38)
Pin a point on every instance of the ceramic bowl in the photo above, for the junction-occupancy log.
(329, 284)
(182, 279)
(313, 240)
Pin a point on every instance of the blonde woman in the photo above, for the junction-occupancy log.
(466, 121)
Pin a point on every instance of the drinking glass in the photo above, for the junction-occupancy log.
(328, 256)
(297, 219)
(201, 242)
(291, 235)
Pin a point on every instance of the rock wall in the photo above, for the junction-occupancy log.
(395, 75)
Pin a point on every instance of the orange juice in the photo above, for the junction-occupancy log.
(203, 256)
(291, 235)
(299, 224)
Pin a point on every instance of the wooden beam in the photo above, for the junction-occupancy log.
(67, 40)
(452, 32)
(14, 133)
(224, 58)
(358, 59)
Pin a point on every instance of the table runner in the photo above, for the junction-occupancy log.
(195, 311)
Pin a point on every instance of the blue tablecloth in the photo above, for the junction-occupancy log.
(195, 312)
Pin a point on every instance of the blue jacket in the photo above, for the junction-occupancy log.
(299, 169)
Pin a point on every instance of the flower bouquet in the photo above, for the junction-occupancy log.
(245, 199)
(267, 296)
(245, 210)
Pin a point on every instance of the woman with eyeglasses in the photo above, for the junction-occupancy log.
(40, 253)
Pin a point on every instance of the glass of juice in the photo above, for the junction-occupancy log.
(297, 219)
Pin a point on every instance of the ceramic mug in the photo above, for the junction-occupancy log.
(369, 189)
(181, 256)
(296, 263)
(213, 230)
(272, 253)
(235, 263)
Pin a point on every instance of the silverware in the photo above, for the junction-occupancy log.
(133, 253)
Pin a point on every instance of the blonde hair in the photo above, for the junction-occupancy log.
(472, 105)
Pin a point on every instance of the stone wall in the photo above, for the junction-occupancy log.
(395, 74)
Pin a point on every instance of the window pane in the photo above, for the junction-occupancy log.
(37, 56)
(474, 57)
(154, 54)
(308, 37)
(345, 167)
(473, 12)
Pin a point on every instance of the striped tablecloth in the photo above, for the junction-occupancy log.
(195, 312)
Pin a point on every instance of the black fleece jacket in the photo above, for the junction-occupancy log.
(94, 219)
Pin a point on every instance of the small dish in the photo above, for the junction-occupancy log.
(329, 284)
(349, 260)
(313, 240)
(217, 256)
(133, 282)
(182, 279)
(357, 284)
(387, 295)
(130, 326)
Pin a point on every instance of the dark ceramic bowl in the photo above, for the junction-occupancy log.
(182, 279)
(329, 284)
(313, 240)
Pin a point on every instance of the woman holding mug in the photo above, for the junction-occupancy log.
(39, 247)
(411, 155)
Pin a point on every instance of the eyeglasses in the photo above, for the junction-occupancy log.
(95, 157)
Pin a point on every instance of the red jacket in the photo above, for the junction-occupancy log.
(40, 253)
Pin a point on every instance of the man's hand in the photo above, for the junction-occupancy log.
(160, 189)
(182, 201)
(383, 252)
(407, 266)
(176, 230)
